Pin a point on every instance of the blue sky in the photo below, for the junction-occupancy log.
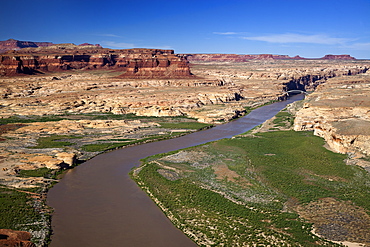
(309, 28)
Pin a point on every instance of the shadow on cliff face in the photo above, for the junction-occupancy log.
(28, 71)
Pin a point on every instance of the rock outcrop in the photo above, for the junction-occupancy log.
(13, 238)
(339, 111)
(19, 150)
(133, 63)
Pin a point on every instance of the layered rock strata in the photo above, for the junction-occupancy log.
(246, 58)
(133, 63)
(339, 111)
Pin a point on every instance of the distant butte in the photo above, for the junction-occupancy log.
(338, 57)
(12, 44)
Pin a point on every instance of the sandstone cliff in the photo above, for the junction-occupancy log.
(133, 63)
(339, 111)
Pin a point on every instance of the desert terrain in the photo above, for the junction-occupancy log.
(55, 119)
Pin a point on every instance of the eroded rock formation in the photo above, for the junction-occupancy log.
(339, 111)
(134, 63)
(213, 86)
(218, 93)
(17, 150)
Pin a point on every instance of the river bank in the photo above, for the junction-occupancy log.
(269, 186)
(132, 212)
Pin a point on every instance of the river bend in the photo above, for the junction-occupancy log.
(97, 204)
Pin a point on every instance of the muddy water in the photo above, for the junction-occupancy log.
(97, 204)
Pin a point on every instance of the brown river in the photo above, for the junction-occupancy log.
(97, 204)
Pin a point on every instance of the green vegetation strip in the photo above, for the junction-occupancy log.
(258, 175)
(106, 146)
(41, 172)
(185, 125)
(89, 116)
(302, 168)
(53, 141)
(30, 119)
(16, 211)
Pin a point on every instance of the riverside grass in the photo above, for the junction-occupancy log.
(54, 141)
(261, 174)
(110, 145)
(16, 210)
